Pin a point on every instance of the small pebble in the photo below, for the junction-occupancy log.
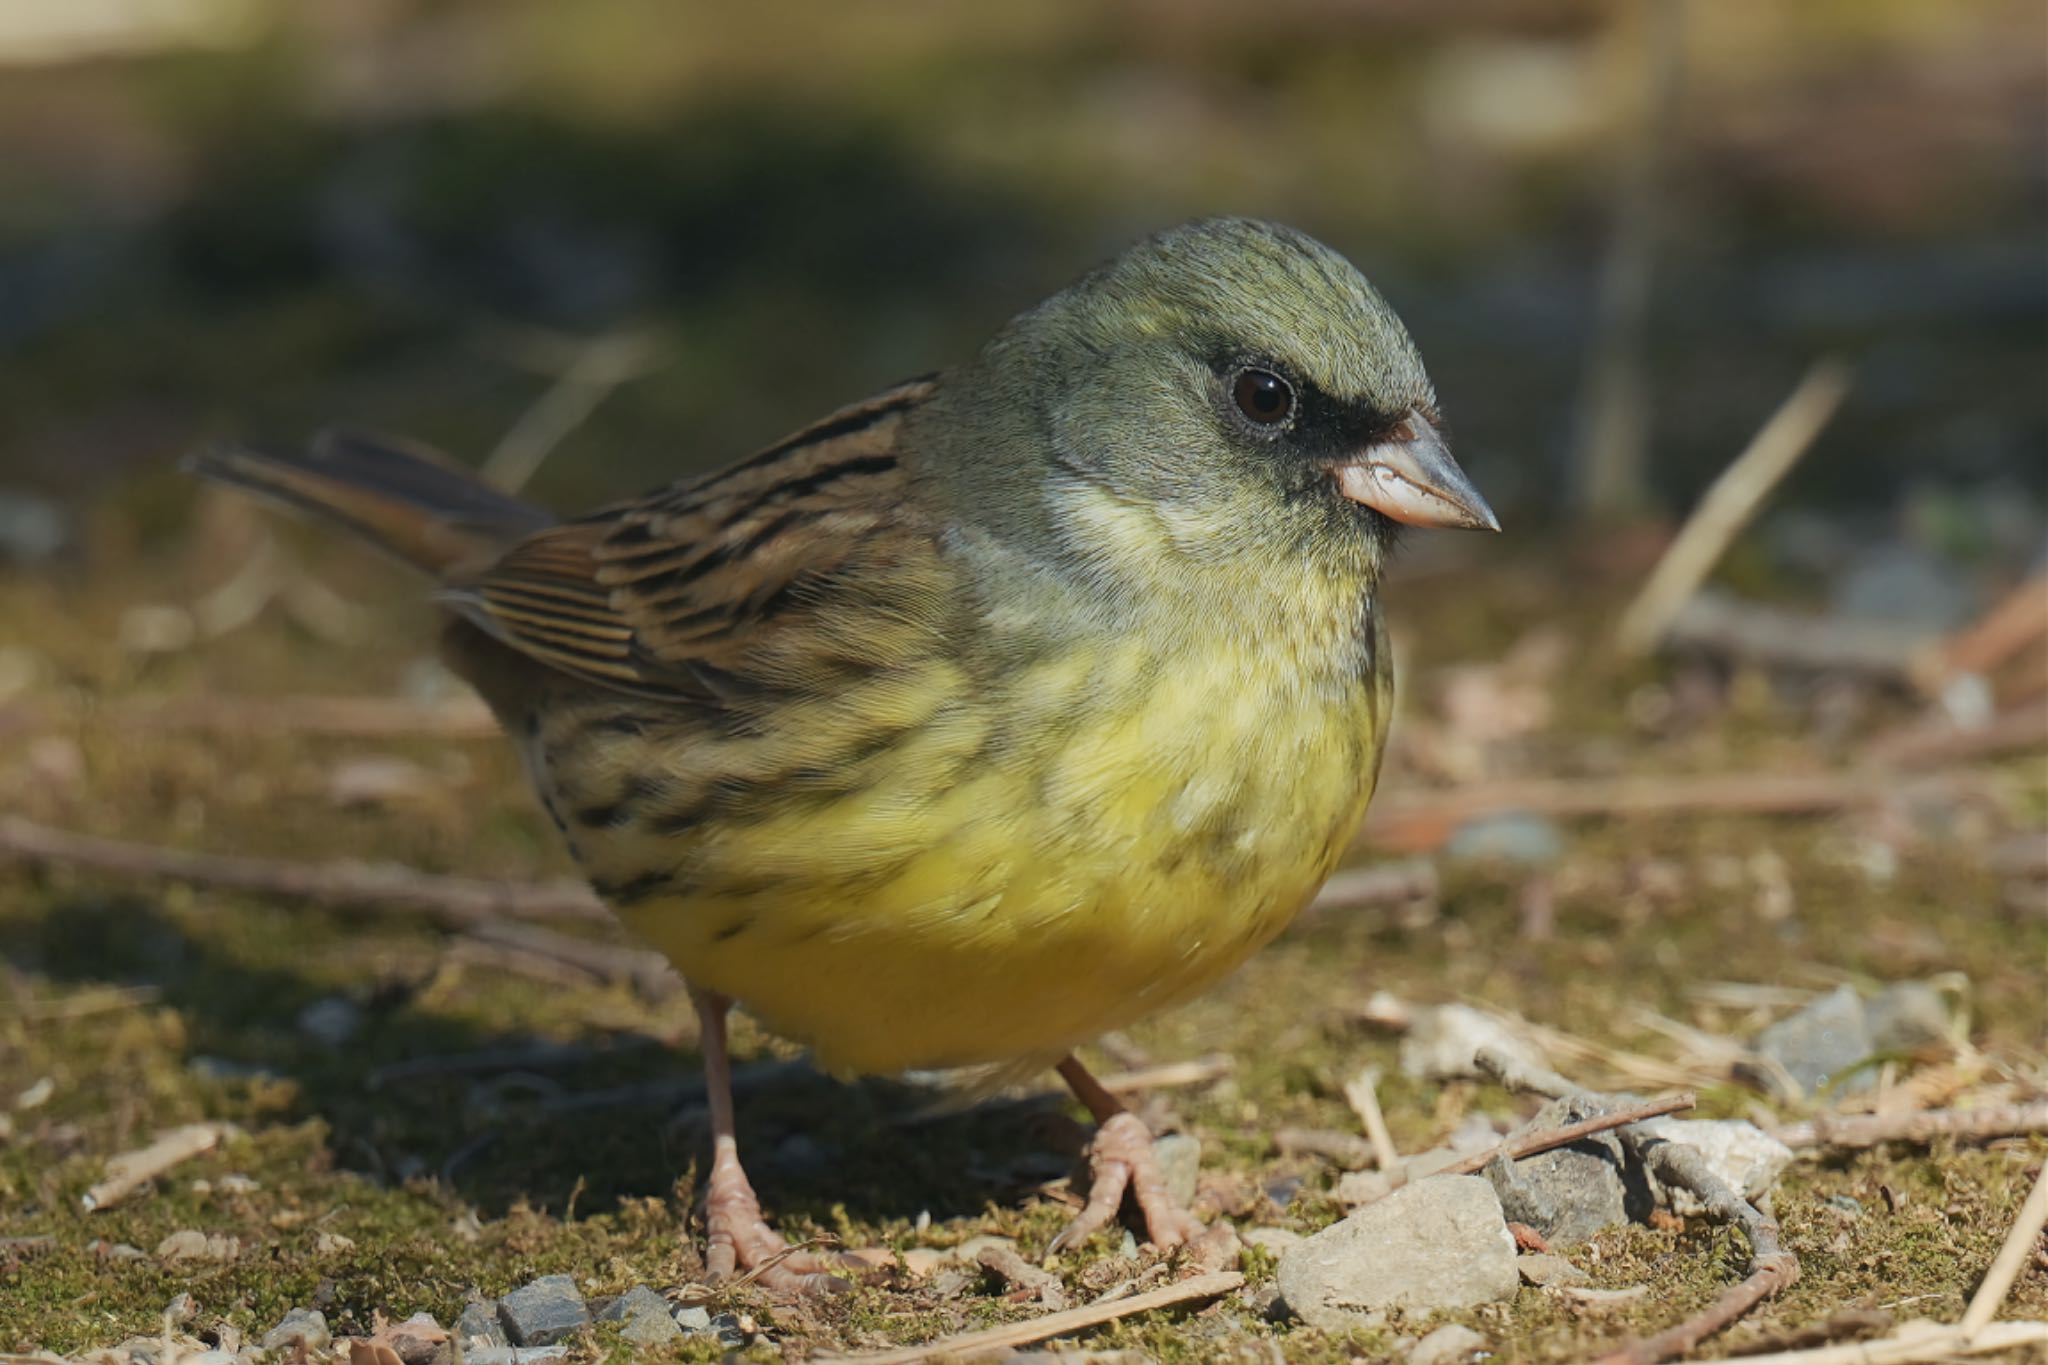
(545, 1312)
(478, 1324)
(1451, 1344)
(301, 1324)
(645, 1315)
(181, 1309)
(332, 1020)
(1547, 1270)
(693, 1319)
(1180, 1162)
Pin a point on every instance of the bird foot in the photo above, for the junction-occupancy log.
(741, 1244)
(1122, 1159)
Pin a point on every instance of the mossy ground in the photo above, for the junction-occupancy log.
(404, 1196)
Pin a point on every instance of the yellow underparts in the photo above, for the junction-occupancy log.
(1009, 875)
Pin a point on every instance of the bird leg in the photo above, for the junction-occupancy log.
(739, 1237)
(1121, 1159)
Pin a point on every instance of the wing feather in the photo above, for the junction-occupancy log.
(686, 593)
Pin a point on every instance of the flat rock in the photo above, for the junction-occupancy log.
(646, 1316)
(1817, 1047)
(301, 1324)
(1451, 1344)
(1742, 1154)
(1439, 1243)
(544, 1312)
(1507, 837)
(516, 1355)
(1570, 1193)
(1180, 1162)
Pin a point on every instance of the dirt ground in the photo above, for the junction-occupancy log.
(385, 1161)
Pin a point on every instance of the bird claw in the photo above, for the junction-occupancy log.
(742, 1247)
(1122, 1159)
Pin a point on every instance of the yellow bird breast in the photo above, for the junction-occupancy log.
(1003, 878)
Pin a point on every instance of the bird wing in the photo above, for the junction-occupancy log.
(695, 593)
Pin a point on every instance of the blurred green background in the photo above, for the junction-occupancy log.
(258, 216)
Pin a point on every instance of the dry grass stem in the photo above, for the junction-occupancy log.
(1835, 1132)
(1730, 503)
(130, 1171)
(994, 1340)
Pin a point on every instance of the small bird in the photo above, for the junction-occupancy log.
(981, 717)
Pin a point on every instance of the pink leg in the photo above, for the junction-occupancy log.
(1122, 1160)
(739, 1237)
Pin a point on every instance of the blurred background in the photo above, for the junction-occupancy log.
(260, 217)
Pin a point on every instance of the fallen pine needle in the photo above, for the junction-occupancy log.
(994, 1339)
(130, 1171)
(1837, 1132)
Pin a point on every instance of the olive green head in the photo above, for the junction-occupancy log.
(1238, 379)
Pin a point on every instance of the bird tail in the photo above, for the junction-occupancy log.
(409, 501)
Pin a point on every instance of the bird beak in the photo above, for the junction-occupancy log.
(1410, 476)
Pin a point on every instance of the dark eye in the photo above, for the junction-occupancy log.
(1263, 396)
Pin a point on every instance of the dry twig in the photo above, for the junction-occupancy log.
(462, 902)
(1362, 1093)
(1772, 1268)
(1917, 1343)
(1169, 1075)
(130, 1171)
(2005, 1268)
(1835, 1131)
(991, 1340)
(1730, 503)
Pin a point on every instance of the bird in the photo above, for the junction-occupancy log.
(979, 718)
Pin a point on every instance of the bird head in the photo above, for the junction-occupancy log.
(1240, 383)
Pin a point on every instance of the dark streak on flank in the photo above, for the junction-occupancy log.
(731, 931)
(619, 813)
(633, 890)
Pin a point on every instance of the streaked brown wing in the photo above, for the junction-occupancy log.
(689, 593)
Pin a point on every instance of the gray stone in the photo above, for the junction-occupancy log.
(1742, 1154)
(1508, 837)
(1816, 1047)
(301, 1324)
(516, 1355)
(693, 1319)
(729, 1330)
(1450, 1344)
(544, 1312)
(1906, 1015)
(1543, 1269)
(1901, 583)
(1439, 1243)
(1571, 1192)
(332, 1020)
(32, 528)
(1180, 1162)
(1443, 1039)
(645, 1315)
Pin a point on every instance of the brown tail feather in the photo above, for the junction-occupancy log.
(408, 501)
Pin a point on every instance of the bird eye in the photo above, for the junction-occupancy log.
(1263, 397)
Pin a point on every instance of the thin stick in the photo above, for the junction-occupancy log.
(648, 972)
(2017, 621)
(1838, 1132)
(2018, 1249)
(1678, 1165)
(343, 717)
(463, 902)
(599, 367)
(1767, 1279)
(1925, 744)
(1916, 1344)
(1362, 1093)
(1396, 883)
(130, 1171)
(993, 1339)
(1730, 503)
(1548, 1139)
(1418, 821)
(1169, 1075)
